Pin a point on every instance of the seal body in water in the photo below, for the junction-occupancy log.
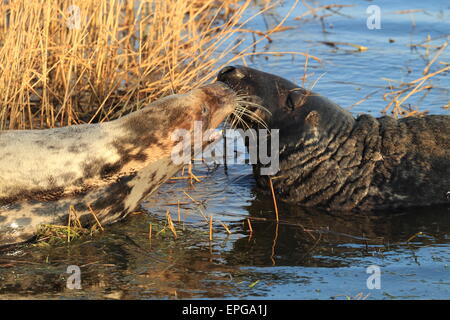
(331, 160)
(109, 167)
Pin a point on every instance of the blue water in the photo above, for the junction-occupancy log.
(347, 76)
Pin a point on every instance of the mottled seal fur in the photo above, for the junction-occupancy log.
(110, 166)
(331, 160)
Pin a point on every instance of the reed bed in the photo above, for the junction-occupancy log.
(64, 63)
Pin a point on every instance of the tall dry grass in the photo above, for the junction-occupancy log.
(57, 70)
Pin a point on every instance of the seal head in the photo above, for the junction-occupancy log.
(330, 160)
(293, 110)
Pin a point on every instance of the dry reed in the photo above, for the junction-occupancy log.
(61, 66)
(274, 199)
(250, 229)
(210, 228)
(399, 94)
(170, 224)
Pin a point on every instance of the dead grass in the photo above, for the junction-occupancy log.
(51, 234)
(400, 92)
(56, 70)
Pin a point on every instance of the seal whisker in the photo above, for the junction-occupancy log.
(251, 115)
(243, 111)
(246, 100)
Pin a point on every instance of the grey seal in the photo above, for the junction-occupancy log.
(108, 166)
(330, 160)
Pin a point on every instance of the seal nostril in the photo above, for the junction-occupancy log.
(226, 70)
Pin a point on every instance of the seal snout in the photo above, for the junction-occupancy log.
(230, 73)
(219, 94)
(223, 89)
(225, 70)
(220, 101)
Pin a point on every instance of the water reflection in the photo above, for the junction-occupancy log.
(123, 263)
(315, 238)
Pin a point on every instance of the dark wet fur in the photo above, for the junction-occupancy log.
(330, 160)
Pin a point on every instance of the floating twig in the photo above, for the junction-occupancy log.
(210, 228)
(335, 43)
(414, 236)
(226, 227)
(250, 226)
(186, 178)
(170, 224)
(438, 53)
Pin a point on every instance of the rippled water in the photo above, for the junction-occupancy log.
(310, 254)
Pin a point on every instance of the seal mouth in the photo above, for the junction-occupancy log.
(221, 100)
(224, 93)
(226, 88)
(248, 113)
(237, 109)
